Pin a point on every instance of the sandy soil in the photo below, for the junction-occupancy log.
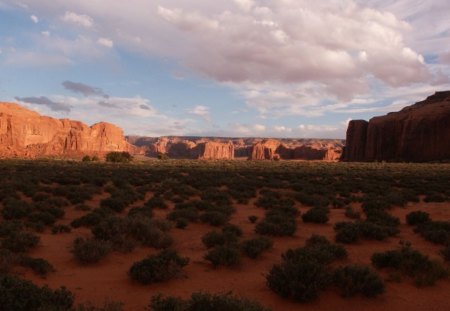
(109, 280)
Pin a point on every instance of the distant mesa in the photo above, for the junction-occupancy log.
(214, 148)
(417, 133)
(25, 133)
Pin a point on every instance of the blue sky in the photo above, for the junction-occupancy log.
(281, 68)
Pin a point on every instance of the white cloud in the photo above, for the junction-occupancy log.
(79, 19)
(34, 19)
(46, 33)
(105, 42)
(201, 111)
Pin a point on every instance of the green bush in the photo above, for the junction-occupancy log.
(277, 223)
(15, 209)
(20, 242)
(39, 266)
(88, 251)
(107, 306)
(411, 263)
(352, 280)
(22, 295)
(86, 158)
(435, 231)
(214, 218)
(119, 157)
(417, 218)
(232, 229)
(304, 272)
(254, 247)
(446, 253)
(317, 215)
(204, 302)
(158, 268)
(61, 229)
(225, 255)
(352, 213)
(253, 219)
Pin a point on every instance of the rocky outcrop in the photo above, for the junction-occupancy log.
(417, 133)
(212, 148)
(264, 150)
(25, 133)
(272, 149)
(215, 151)
(355, 147)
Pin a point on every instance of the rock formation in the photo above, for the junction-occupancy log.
(272, 149)
(215, 151)
(25, 133)
(264, 150)
(417, 133)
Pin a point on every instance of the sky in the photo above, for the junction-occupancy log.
(234, 68)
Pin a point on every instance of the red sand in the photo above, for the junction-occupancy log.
(109, 280)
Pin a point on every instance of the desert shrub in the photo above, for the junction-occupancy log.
(20, 242)
(149, 232)
(253, 219)
(116, 204)
(352, 280)
(225, 255)
(109, 228)
(254, 247)
(347, 232)
(214, 218)
(434, 197)
(107, 306)
(189, 213)
(277, 223)
(61, 229)
(215, 238)
(181, 223)
(446, 253)
(7, 260)
(22, 295)
(119, 157)
(317, 215)
(352, 213)
(39, 266)
(92, 218)
(435, 231)
(143, 211)
(160, 303)
(304, 272)
(88, 251)
(158, 268)
(417, 218)
(204, 301)
(86, 158)
(15, 209)
(232, 229)
(156, 202)
(411, 263)
(44, 218)
(351, 232)
(298, 280)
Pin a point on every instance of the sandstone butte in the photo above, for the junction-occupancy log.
(417, 133)
(272, 149)
(25, 133)
(250, 148)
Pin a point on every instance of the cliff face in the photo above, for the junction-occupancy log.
(417, 133)
(216, 151)
(272, 149)
(25, 133)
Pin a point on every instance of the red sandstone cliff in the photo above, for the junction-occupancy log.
(417, 133)
(25, 133)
